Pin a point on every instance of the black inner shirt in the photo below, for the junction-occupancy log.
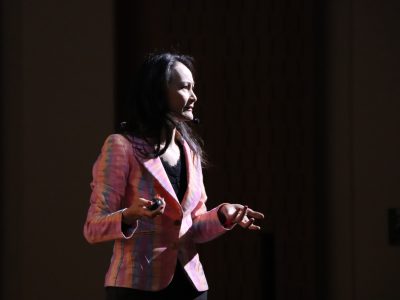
(177, 174)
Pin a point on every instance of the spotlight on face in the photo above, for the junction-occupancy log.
(181, 96)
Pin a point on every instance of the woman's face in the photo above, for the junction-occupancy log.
(180, 93)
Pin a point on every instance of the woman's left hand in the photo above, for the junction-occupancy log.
(242, 215)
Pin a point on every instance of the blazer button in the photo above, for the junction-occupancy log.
(177, 222)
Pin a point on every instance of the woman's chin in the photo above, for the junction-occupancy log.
(187, 116)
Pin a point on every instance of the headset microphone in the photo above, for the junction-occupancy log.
(196, 121)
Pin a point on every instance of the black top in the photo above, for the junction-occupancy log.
(177, 174)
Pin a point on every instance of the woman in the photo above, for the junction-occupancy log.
(157, 156)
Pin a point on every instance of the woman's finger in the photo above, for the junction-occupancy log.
(244, 222)
(240, 216)
(158, 211)
(255, 214)
(162, 206)
(144, 202)
(254, 227)
(249, 223)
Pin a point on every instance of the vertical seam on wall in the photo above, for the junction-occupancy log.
(350, 102)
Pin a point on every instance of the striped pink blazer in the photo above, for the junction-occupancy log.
(145, 257)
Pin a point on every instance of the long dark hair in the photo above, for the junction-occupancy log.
(148, 107)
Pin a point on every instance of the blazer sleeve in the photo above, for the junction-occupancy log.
(206, 225)
(110, 174)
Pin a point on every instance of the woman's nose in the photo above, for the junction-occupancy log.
(193, 96)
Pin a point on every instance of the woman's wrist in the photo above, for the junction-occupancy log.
(221, 216)
(126, 218)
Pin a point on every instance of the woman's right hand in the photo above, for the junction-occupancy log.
(139, 209)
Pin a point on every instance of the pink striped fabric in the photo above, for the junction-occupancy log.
(145, 257)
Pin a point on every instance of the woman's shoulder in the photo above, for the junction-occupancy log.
(116, 141)
(117, 138)
(127, 141)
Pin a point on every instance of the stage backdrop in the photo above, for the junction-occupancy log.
(255, 85)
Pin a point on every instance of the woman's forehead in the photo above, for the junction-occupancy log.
(182, 73)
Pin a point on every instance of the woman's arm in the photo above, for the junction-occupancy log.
(110, 173)
(208, 225)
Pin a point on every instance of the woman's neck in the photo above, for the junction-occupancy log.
(164, 138)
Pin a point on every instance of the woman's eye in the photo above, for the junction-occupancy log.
(187, 87)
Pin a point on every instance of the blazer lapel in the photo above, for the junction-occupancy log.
(192, 187)
(155, 167)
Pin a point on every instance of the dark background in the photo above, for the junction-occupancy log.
(299, 104)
